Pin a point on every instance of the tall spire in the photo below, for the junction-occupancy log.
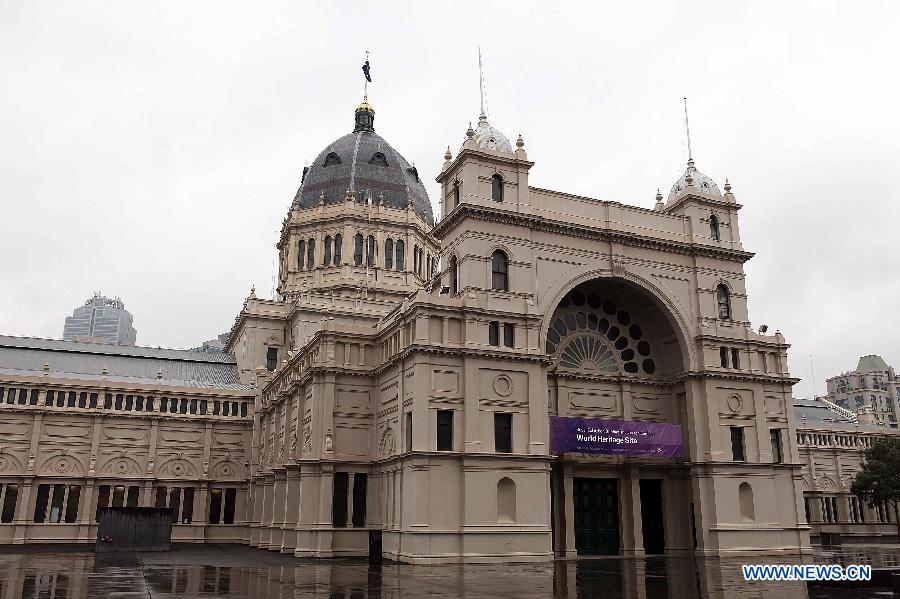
(687, 129)
(481, 82)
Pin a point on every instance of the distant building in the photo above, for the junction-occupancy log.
(872, 391)
(101, 320)
(213, 346)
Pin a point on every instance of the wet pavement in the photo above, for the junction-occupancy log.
(231, 571)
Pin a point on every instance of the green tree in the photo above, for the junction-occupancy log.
(879, 479)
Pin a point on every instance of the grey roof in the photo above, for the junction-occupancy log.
(26, 356)
(871, 363)
(818, 414)
(398, 181)
(701, 184)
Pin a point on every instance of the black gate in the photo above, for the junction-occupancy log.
(596, 516)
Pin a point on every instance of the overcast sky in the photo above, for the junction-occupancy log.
(151, 151)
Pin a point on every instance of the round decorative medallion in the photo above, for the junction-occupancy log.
(226, 470)
(4, 464)
(503, 385)
(735, 403)
(121, 467)
(178, 469)
(63, 466)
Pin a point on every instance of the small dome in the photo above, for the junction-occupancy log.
(702, 185)
(489, 138)
(364, 162)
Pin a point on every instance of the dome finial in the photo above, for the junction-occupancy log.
(520, 143)
(447, 155)
(727, 186)
(364, 117)
(470, 133)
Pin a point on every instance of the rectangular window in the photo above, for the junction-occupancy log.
(56, 503)
(102, 500)
(118, 498)
(508, 334)
(445, 430)
(408, 431)
(228, 516)
(502, 433)
(187, 509)
(737, 444)
(175, 502)
(162, 494)
(723, 357)
(493, 333)
(40, 504)
(271, 358)
(735, 358)
(9, 503)
(777, 452)
(215, 506)
(134, 494)
(72, 503)
(360, 484)
(339, 500)
(808, 509)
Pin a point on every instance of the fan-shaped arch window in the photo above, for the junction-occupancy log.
(326, 259)
(723, 300)
(338, 239)
(370, 251)
(497, 188)
(714, 227)
(358, 249)
(311, 254)
(400, 261)
(331, 159)
(499, 271)
(454, 275)
(378, 159)
(389, 253)
(301, 254)
(506, 500)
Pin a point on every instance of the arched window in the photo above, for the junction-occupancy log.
(745, 499)
(326, 260)
(370, 251)
(428, 266)
(401, 255)
(455, 194)
(378, 159)
(358, 249)
(311, 254)
(454, 275)
(301, 254)
(337, 249)
(389, 253)
(497, 188)
(506, 501)
(417, 261)
(723, 302)
(332, 159)
(499, 271)
(714, 227)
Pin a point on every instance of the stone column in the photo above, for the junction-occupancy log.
(569, 507)
(278, 496)
(268, 503)
(291, 508)
(631, 523)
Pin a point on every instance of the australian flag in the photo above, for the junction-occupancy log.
(365, 69)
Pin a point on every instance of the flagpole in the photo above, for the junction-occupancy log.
(366, 84)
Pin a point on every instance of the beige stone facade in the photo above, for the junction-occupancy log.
(403, 380)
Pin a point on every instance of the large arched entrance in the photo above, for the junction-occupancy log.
(616, 356)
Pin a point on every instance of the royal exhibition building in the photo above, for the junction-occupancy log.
(527, 375)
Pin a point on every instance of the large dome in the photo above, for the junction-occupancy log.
(364, 162)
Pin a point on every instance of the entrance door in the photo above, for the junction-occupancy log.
(596, 515)
(652, 515)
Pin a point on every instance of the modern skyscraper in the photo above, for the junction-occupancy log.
(101, 320)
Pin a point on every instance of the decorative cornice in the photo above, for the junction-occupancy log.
(539, 223)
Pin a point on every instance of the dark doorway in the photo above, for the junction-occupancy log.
(652, 516)
(596, 516)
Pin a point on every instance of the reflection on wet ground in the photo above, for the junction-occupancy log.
(230, 571)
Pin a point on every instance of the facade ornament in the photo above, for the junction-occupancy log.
(659, 200)
(520, 143)
(470, 133)
(447, 155)
(93, 464)
(329, 442)
(727, 185)
(322, 198)
(252, 292)
(46, 368)
(205, 467)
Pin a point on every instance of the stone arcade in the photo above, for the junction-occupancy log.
(405, 378)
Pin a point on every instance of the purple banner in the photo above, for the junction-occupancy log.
(615, 437)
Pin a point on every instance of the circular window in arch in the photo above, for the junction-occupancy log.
(560, 327)
(609, 307)
(621, 343)
(613, 333)
(581, 320)
(624, 318)
(593, 301)
(593, 321)
(564, 302)
(649, 366)
(643, 348)
(570, 321)
(627, 355)
(552, 336)
(631, 367)
(603, 326)
(577, 298)
(635, 332)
